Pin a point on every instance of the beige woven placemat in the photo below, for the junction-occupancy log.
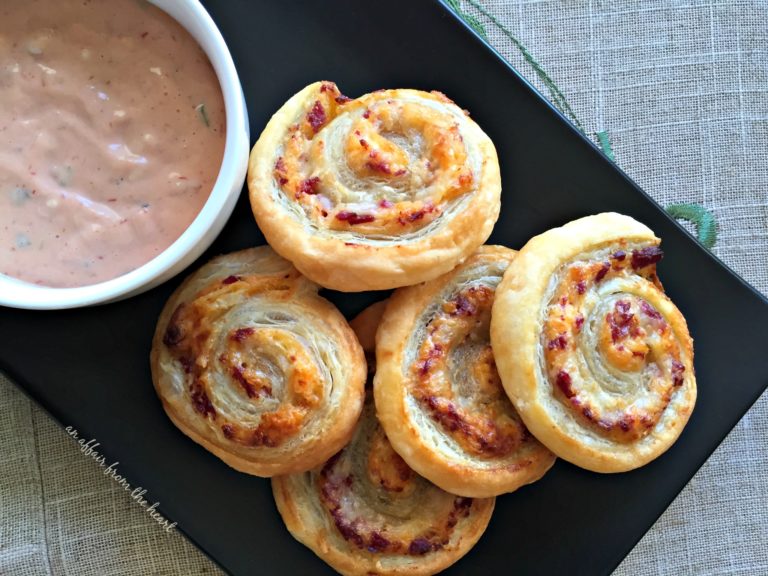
(681, 87)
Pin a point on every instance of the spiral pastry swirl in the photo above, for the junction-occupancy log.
(596, 358)
(438, 393)
(366, 512)
(387, 190)
(256, 367)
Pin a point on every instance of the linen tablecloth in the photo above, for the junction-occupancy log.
(679, 90)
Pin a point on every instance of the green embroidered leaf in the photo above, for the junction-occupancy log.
(605, 144)
(471, 21)
(703, 219)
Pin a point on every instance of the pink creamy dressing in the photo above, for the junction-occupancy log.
(112, 132)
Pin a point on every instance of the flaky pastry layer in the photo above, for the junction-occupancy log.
(253, 365)
(596, 358)
(366, 512)
(438, 393)
(386, 190)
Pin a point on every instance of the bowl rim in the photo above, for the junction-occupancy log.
(211, 218)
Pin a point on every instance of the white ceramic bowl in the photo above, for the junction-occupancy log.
(211, 219)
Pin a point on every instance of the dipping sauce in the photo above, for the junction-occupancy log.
(112, 132)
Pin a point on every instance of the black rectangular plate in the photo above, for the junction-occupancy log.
(90, 368)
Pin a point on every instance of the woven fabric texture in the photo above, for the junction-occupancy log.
(681, 88)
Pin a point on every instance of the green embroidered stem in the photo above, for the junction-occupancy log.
(558, 98)
(706, 226)
(473, 22)
(605, 144)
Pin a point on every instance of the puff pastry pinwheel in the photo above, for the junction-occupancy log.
(387, 190)
(253, 365)
(366, 512)
(438, 394)
(596, 358)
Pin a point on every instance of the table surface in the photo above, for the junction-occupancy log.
(680, 90)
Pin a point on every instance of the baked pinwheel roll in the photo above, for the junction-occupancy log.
(387, 190)
(366, 512)
(253, 365)
(438, 394)
(596, 358)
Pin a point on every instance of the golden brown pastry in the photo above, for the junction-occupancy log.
(253, 365)
(365, 512)
(596, 358)
(438, 394)
(393, 188)
(365, 326)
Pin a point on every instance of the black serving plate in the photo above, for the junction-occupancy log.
(89, 368)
